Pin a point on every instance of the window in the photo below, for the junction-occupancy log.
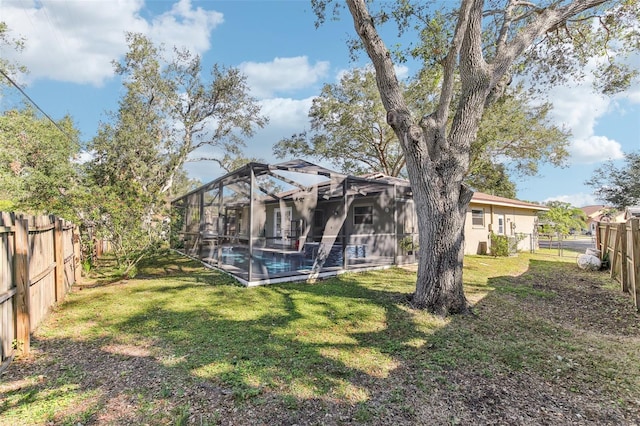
(282, 222)
(363, 215)
(477, 218)
(501, 225)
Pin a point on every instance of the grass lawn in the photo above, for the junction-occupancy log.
(180, 344)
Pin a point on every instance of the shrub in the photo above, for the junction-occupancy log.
(499, 245)
(502, 245)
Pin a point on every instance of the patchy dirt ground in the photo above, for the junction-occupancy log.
(131, 387)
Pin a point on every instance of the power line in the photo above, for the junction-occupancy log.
(35, 104)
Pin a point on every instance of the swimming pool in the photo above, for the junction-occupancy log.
(271, 262)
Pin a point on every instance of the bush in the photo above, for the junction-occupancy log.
(499, 245)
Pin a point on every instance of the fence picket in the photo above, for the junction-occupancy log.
(39, 262)
(634, 282)
(615, 256)
(59, 259)
(21, 280)
(624, 278)
(624, 254)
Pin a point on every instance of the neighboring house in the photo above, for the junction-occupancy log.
(502, 216)
(296, 220)
(631, 212)
(601, 213)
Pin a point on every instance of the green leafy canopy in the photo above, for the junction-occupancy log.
(38, 172)
(562, 218)
(169, 114)
(348, 129)
(618, 185)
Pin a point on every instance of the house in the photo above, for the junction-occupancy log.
(601, 213)
(631, 212)
(594, 215)
(296, 220)
(502, 216)
(488, 214)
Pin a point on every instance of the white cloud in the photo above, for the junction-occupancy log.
(282, 75)
(402, 71)
(634, 97)
(184, 26)
(595, 149)
(76, 40)
(286, 113)
(84, 157)
(578, 108)
(576, 200)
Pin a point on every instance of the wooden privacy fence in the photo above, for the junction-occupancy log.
(39, 262)
(620, 243)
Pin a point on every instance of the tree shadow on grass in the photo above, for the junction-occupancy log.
(342, 351)
(162, 264)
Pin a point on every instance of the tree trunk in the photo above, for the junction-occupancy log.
(436, 167)
(437, 150)
(441, 218)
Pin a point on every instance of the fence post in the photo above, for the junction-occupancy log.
(58, 250)
(77, 267)
(635, 259)
(98, 248)
(21, 271)
(616, 254)
(605, 243)
(624, 277)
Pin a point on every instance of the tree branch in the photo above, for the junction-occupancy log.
(191, 160)
(549, 19)
(386, 79)
(449, 63)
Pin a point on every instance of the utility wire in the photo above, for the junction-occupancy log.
(35, 104)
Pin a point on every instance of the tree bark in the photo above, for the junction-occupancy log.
(436, 170)
(437, 156)
(441, 219)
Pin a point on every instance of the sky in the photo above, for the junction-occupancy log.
(70, 46)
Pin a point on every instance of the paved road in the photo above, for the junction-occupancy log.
(578, 244)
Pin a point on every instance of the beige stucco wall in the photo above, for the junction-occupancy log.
(516, 221)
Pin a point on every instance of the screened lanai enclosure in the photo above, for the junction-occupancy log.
(266, 223)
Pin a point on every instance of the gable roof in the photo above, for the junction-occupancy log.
(632, 211)
(478, 197)
(594, 210)
(482, 198)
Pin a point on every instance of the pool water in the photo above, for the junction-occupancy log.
(270, 262)
(276, 263)
(266, 262)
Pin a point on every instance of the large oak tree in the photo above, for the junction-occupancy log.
(482, 44)
(348, 129)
